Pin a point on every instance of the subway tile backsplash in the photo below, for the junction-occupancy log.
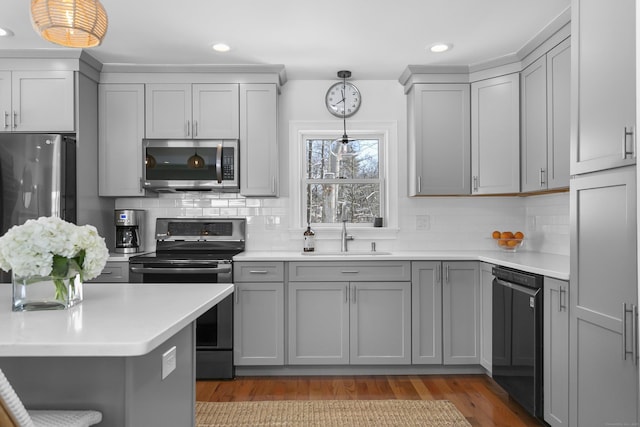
(438, 223)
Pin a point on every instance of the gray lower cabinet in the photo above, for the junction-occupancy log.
(446, 313)
(114, 271)
(460, 313)
(603, 301)
(426, 312)
(258, 315)
(556, 352)
(486, 315)
(360, 313)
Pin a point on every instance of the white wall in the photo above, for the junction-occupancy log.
(423, 223)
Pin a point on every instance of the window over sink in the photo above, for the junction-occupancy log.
(332, 181)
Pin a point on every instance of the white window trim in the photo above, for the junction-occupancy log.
(298, 132)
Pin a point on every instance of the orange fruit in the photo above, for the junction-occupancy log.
(495, 234)
(519, 235)
(506, 235)
(512, 243)
(502, 242)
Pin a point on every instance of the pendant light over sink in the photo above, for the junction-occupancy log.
(70, 23)
(343, 99)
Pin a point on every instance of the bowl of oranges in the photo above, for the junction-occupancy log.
(507, 240)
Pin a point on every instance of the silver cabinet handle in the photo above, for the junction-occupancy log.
(628, 131)
(15, 119)
(195, 128)
(446, 273)
(542, 180)
(273, 184)
(634, 331)
(346, 294)
(624, 330)
(104, 273)
(258, 272)
(349, 272)
(188, 127)
(475, 183)
(6, 119)
(419, 184)
(561, 305)
(438, 274)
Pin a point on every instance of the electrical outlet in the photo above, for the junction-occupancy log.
(168, 362)
(422, 222)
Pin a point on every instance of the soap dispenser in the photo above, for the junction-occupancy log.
(309, 239)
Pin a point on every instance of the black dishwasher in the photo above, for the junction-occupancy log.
(517, 336)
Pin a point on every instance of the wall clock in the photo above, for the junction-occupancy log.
(343, 98)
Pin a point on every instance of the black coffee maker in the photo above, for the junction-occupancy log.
(129, 230)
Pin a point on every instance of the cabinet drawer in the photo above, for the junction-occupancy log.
(351, 271)
(114, 272)
(258, 271)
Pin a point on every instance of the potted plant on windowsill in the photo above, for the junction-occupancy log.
(50, 259)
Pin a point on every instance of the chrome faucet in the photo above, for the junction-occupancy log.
(344, 237)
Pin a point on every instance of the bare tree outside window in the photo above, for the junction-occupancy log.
(342, 181)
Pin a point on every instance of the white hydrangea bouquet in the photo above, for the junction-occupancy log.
(50, 246)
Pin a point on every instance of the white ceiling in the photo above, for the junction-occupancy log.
(313, 39)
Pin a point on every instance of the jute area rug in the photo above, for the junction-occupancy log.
(323, 413)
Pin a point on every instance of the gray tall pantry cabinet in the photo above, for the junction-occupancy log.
(603, 316)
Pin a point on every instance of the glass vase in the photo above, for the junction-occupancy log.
(46, 292)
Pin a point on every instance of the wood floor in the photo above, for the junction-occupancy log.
(480, 399)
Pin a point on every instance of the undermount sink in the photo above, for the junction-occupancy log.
(349, 253)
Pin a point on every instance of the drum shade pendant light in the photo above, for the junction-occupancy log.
(341, 146)
(70, 23)
(195, 161)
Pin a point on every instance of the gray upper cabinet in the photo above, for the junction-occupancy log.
(604, 85)
(198, 111)
(37, 101)
(439, 139)
(603, 299)
(120, 133)
(460, 313)
(545, 99)
(556, 352)
(495, 135)
(258, 140)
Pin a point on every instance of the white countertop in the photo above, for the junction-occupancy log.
(551, 265)
(114, 319)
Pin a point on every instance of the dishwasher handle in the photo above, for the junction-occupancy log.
(518, 288)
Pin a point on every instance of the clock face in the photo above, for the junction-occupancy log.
(343, 99)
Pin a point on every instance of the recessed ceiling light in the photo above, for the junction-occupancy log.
(5, 32)
(440, 47)
(221, 47)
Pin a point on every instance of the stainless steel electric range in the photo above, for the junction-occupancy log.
(198, 250)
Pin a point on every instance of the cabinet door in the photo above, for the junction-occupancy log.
(426, 312)
(495, 135)
(603, 288)
(556, 352)
(380, 320)
(43, 101)
(440, 139)
(5, 101)
(558, 115)
(603, 84)
(216, 111)
(258, 328)
(318, 323)
(486, 316)
(534, 126)
(120, 133)
(258, 140)
(168, 109)
(460, 313)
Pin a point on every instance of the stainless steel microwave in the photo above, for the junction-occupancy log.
(190, 165)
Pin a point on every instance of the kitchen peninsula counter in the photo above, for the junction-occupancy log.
(550, 265)
(108, 352)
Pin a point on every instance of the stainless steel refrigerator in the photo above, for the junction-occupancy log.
(37, 178)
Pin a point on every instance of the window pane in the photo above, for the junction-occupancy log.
(357, 202)
(327, 159)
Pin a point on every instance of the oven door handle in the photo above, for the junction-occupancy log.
(187, 270)
(519, 288)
